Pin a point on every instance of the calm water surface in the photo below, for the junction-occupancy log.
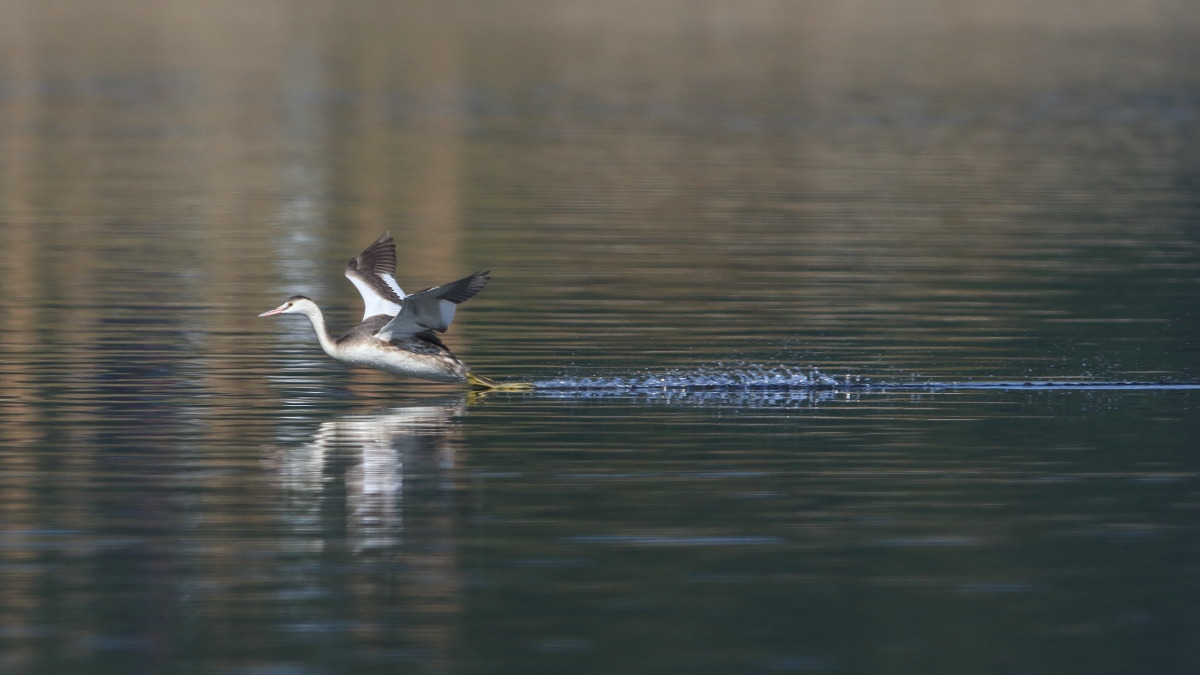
(720, 204)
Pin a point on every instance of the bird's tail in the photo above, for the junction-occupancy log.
(492, 385)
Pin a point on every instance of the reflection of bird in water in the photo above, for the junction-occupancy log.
(368, 504)
(398, 333)
(388, 461)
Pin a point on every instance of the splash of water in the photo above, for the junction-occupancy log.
(742, 378)
(790, 387)
(783, 378)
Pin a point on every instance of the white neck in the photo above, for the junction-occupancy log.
(328, 343)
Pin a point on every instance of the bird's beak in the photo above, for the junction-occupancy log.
(277, 310)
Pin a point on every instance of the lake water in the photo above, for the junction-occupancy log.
(781, 272)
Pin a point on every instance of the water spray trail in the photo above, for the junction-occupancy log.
(788, 378)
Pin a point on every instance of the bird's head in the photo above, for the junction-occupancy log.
(297, 304)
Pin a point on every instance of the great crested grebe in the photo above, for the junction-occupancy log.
(398, 333)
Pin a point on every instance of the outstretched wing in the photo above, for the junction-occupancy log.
(371, 273)
(432, 308)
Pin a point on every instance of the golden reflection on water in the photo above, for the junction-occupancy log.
(795, 173)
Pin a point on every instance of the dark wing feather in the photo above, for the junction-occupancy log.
(372, 272)
(378, 258)
(433, 308)
(459, 291)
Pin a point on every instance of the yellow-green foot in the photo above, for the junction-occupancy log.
(492, 385)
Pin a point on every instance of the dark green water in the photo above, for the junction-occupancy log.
(687, 210)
